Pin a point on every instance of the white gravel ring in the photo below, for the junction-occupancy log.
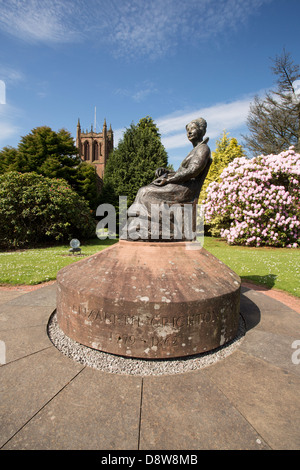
(133, 366)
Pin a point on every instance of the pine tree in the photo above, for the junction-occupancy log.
(43, 144)
(10, 160)
(86, 184)
(133, 163)
(227, 150)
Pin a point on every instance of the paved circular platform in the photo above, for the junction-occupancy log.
(247, 400)
(149, 300)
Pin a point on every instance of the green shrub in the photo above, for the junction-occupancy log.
(35, 209)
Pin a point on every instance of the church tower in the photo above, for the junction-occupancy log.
(95, 147)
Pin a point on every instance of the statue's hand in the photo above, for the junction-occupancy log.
(160, 171)
(160, 181)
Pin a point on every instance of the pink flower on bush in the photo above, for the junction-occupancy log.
(257, 201)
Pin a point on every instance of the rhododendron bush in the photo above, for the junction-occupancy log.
(35, 209)
(256, 202)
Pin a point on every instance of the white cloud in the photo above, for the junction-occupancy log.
(10, 75)
(219, 116)
(175, 141)
(140, 92)
(8, 128)
(130, 28)
(118, 135)
(40, 21)
(137, 28)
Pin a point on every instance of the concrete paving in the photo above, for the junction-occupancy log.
(248, 400)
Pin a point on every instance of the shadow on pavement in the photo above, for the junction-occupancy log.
(249, 310)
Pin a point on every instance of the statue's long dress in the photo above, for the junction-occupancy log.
(185, 190)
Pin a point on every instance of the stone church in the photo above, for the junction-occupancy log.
(95, 147)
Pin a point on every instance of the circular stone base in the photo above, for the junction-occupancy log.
(113, 364)
(149, 300)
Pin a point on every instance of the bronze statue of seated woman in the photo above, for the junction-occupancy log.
(172, 189)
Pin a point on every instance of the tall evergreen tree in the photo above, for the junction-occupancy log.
(86, 184)
(46, 151)
(227, 150)
(133, 163)
(11, 160)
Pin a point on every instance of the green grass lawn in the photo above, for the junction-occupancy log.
(272, 267)
(37, 265)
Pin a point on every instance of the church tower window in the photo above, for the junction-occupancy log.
(95, 151)
(86, 150)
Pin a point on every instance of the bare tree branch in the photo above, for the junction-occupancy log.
(274, 122)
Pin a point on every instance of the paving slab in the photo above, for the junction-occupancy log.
(264, 313)
(265, 394)
(24, 341)
(273, 348)
(7, 295)
(282, 321)
(42, 297)
(97, 410)
(28, 384)
(190, 412)
(263, 302)
(23, 316)
(284, 297)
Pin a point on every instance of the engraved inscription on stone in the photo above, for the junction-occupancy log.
(137, 321)
(155, 332)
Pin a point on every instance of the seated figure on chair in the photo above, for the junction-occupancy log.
(171, 188)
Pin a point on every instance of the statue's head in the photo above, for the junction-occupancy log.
(196, 130)
(201, 125)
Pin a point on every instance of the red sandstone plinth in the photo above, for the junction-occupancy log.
(149, 300)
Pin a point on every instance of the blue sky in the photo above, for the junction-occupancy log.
(171, 59)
